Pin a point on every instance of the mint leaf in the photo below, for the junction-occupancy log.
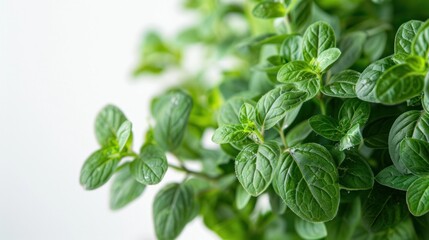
(327, 58)
(342, 85)
(150, 166)
(355, 173)
(99, 167)
(269, 10)
(125, 188)
(255, 166)
(241, 197)
(420, 44)
(398, 84)
(418, 196)
(351, 46)
(415, 156)
(307, 180)
(392, 178)
(352, 138)
(272, 107)
(107, 124)
(310, 230)
(172, 118)
(124, 134)
(231, 133)
(173, 208)
(405, 35)
(291, 48)
(411, 124)
(326, 126)
(317, 38)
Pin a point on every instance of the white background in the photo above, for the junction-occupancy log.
(60, 62)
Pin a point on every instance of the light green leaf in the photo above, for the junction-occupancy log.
(310, 230)
(255, 165)
(403, 230)
(247, 113)
(365, 86)
(326, 126)
(150, 166)
(318, 37)
(351, 49)
(124, 134)
(269, 10)
(277, 204)
(342, 85)
(298, 134)
(352, 138)
(352, 112)
(425, 99)
(327, 58)
(230, 134)
(171, 120)
(420, 45)
(272, 107)
(405, 35)
(398, 84)
(290, 116)
(107, 124)
(99, 167)
(411, 124)
(173, 208)
(291, 71)
(418, 197)
(241, 197)
(307, 180)
(125, 188)
(355, 173)
(414, 154)
(291, 48)
(392, 178)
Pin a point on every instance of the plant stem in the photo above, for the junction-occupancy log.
(282, 136)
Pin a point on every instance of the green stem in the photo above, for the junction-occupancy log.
(259, 135)
(282, 136)
(322, 105)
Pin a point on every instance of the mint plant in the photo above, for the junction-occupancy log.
(323, 108)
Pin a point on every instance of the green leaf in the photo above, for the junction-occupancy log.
(301, 14)
(99, 167)
(310, 230)
(352, 138)
(172, 118)
(384, 208)
(418, 197)
(272, 107)
(414, 154)
(125, 188)
(420, 45)
(255, 165)
(425, 99)
(375, 45)
(351, 49)
(342, 85)
(318, 37)
(365, 86)
(307, 180)
(241, 197)
(230, 133)
(352, 112)
(327, 58)
(124, 134)
(301, 75)
(405, 35)
(402, 230)
(150, 166)
(298, 134)
(247, 113)
(107, 124)
(355, 173)
(269, 10)
(291, 48)
(376, 133)
(411, 124)
(392, 178)
(173, 208)
(277, 204)
(326, 126)
(290, 116)
(229, 113)
(398, 84)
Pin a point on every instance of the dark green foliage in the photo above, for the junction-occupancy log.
(324, 110)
